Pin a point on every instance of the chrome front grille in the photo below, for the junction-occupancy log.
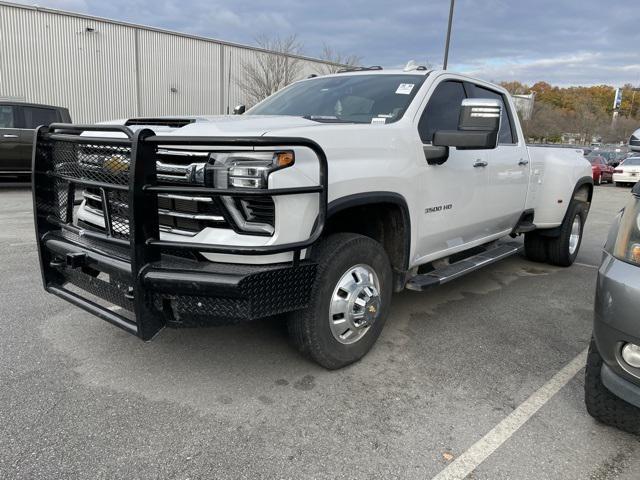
(180, 214)
(177, 214)
(181, 166)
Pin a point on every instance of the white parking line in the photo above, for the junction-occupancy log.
(479, 451)
(586, 265)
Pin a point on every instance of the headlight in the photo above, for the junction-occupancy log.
(247, 169)
(244, 170)
(627, 245)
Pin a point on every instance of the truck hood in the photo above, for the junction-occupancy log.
(216, 126)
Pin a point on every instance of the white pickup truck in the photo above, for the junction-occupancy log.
(318, 203)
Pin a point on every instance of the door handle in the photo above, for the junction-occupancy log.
(523, 162)
(480, 163)
(8, 135)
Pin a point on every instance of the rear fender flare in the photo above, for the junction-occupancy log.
(554, 232)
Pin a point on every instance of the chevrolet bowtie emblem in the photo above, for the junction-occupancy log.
(116, 164)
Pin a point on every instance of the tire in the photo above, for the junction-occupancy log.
(596, 180)
(618, 184)
(561, 250)
(603, 405)
(312, 330)
(535, 247)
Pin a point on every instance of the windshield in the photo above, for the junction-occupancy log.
(345, 99)
(631, 161)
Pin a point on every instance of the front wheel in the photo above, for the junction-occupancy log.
(349, 304)
(563, 249)
(596, 180)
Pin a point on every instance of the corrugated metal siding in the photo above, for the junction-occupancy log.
(178, 75)
(235, 59)
(53, 59)
(116, 70)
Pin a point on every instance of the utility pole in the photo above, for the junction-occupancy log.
(633, 99)
(446, 47)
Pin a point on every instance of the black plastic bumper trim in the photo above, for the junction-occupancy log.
(624, 389)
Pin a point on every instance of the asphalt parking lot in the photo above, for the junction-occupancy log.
(82, 399)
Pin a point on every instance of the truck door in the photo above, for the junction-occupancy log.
(32, 118)
(453, 212)
(508, 168)
(11, 150)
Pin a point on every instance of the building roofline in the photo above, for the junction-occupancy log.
(161, 30)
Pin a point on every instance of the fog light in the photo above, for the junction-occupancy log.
(631, 354)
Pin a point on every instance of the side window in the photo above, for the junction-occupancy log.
(442, 111)
(507, 135)
(7, 116)
(36, 116)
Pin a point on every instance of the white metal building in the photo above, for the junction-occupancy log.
(102, 69)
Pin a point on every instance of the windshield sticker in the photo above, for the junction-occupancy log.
(379, 120)
(405, 88)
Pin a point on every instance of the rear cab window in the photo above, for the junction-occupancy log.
(36, 116)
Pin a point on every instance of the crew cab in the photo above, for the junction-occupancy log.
(318, 203)
(18, 122)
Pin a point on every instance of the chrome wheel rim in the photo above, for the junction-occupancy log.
(355, 304)
(574, 238)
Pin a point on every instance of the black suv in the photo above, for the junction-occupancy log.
(18, 122)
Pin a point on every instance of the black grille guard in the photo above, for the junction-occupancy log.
(56, 174)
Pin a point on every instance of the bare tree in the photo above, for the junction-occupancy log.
(620, 131)
(335, 61)
(270, 72)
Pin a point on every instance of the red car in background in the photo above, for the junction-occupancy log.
(602, 171)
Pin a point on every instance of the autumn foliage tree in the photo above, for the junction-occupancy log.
(582, 111)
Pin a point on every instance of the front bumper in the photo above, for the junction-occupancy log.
(130, 277)
(616, 322)
(177, 292)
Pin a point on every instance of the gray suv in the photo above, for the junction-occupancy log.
(18, 122)
(612, 382)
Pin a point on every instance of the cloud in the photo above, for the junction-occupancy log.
(585, 68)
(565, 42)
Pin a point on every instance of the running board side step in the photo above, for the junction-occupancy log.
(442, 275)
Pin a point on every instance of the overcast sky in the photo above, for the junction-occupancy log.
(565, 42)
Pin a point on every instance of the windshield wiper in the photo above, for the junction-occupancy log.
(326, 119)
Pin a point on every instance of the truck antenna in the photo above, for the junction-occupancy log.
(446, 47)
